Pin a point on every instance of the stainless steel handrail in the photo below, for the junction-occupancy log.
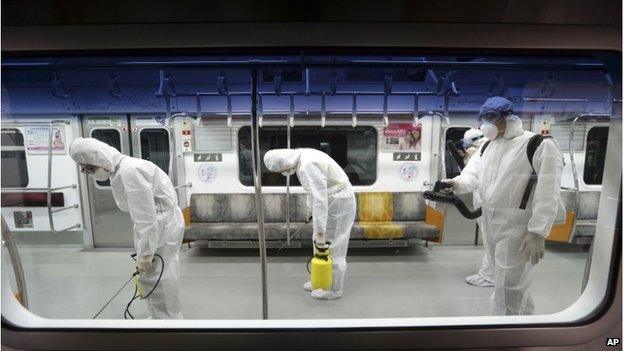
(51, 125)
(65, 208)
(33, 123)
(187, 185)
(21, 190)
(574, 175)
(257, 172)
(7, 236)
(290, 116)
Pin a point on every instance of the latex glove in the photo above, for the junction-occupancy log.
(320, 240)
(453, 186)
(145, 263)
(533, 247)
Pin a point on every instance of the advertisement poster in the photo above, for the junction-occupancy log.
(37, 139)
(402, 137)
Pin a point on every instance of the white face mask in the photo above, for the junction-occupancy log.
(101, 174)
(489, 130)
(288, 172)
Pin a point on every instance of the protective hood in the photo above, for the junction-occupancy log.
(94, 152)
(279, 160)
(513, 128)
(472, 137)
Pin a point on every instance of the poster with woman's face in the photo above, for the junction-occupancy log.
(402, 137)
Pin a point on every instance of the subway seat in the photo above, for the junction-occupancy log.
(232, 217)
(587, 215)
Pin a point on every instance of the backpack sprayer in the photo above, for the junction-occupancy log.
(444, 197)
(138, 288)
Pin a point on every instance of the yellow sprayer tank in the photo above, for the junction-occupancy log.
(321, 271)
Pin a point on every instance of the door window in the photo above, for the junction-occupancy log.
(155, 147)
(111, 137)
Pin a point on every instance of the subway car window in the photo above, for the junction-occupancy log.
(595, 150)
(14, 165)
(155, 147)
(398, 212)
(354, 149)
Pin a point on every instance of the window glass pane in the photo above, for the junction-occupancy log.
(451, 159)
(112, 138)
(12, 137)
(595, 153)
(155, 147)
(14, 167)
(354, 149)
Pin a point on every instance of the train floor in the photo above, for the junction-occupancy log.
(71, 282)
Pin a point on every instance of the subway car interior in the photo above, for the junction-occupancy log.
(410, 136)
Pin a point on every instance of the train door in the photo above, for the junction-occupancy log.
(136, 136)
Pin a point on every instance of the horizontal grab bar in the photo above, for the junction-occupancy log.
(187, 185)
(73, 186)
(65, 208)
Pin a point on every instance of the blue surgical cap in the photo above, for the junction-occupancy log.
(497, 105)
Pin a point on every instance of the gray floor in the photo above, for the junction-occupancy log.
(69, 282)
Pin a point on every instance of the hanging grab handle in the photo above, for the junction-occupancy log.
(323, 110)
(354, 111)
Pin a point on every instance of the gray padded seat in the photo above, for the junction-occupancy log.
(233, 217)
(587, 215)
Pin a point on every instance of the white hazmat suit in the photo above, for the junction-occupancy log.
(143, 190)
(500, 176)
(330, 199)
(472, 141)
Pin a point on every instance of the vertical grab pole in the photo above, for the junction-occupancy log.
(574, 173)
(354, 111)
(323, 110)
(415, 115)
(7, 236)
(49, 180)
(385, 111)
(257, 172)
(291, 117)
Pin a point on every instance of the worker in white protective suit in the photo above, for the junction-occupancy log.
(144, 191)
(514, 237)
(472, 141)
(331, 202)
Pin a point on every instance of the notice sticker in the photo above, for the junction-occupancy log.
(207, 173)
(408, 172)
(38, 138)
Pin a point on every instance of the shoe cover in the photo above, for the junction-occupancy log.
(320, 294)
(307, 286)
(479, 280)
